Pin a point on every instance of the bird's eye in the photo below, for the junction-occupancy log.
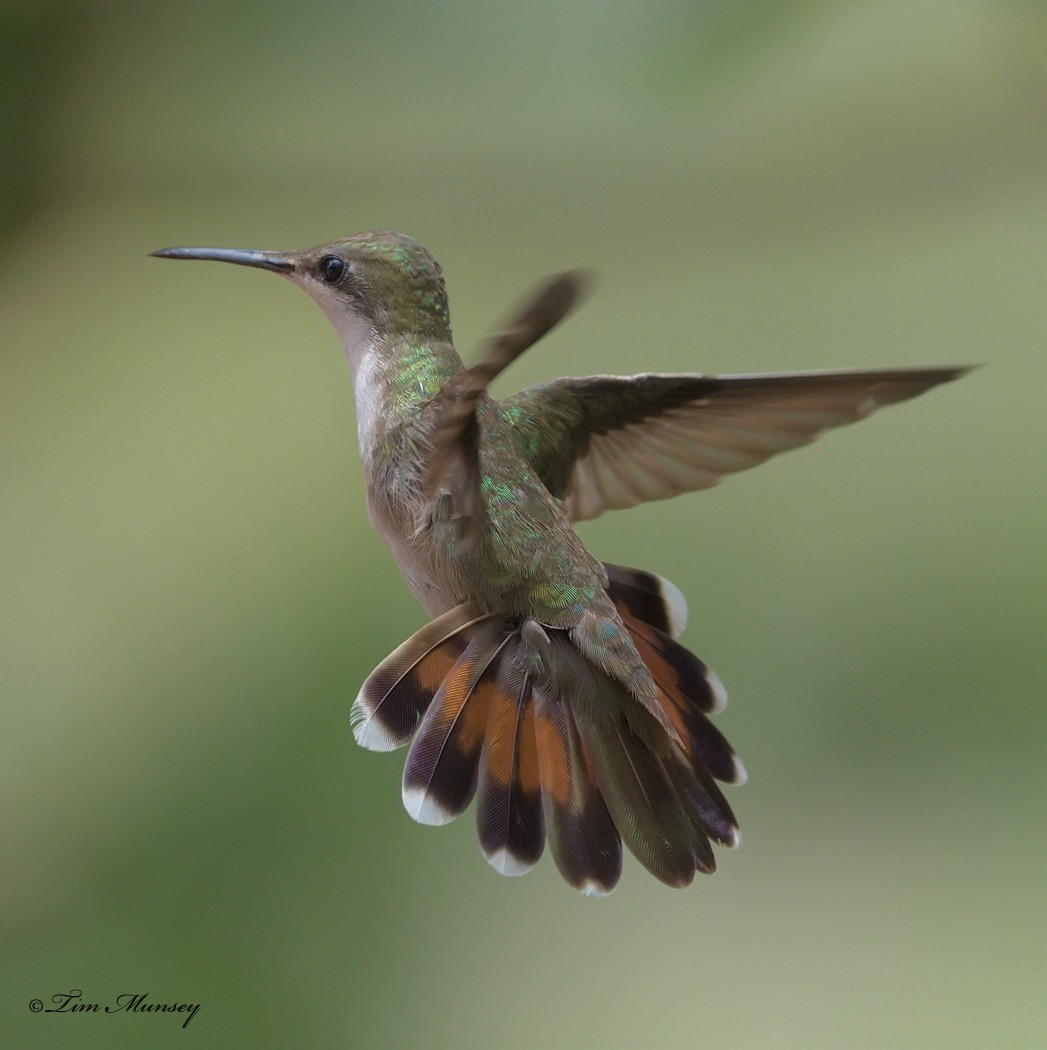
(331, 268)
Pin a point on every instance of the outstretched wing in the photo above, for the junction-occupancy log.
(605, 442)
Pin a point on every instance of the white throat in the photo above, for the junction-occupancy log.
(360, 342)
(357, 334)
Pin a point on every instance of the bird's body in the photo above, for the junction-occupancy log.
(507, 567)
(548, 684)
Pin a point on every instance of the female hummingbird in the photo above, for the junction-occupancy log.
(548, 684)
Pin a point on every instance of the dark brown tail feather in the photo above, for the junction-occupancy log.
(509, 815)
(553, 748)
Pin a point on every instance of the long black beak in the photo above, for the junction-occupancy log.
(280, 262)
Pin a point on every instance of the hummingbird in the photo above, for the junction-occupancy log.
(548, 686)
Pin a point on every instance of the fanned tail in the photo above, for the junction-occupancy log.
(553, 747)
(399, 691)
(509, 815)
(440, 773)
(647, 597)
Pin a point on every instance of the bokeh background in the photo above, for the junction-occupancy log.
(191, 593)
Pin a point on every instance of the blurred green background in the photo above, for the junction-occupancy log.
(192, 593)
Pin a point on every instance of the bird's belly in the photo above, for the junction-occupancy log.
(426, 568)
(527, 560)
(435, 590)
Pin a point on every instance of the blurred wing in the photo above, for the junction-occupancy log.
(606, 442)
(451, 416)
